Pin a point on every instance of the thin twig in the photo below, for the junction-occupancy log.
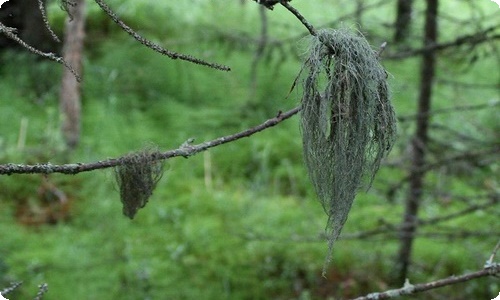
(41, 7)
(156, 47)
(409, 289)
(42, 289)
(13, 286)
(301, 18)
(381, 49)
(10, 33)
(489, 262)
(184, 151)
(475, 38)
(467, 155)
(454, 109)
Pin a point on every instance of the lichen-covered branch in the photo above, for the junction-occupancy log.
(155, 47)
(41, 7)
(11, 288)
(11, 34)
(185, 150)
(410, 289)
(299, 16)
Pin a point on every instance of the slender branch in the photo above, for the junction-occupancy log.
(42, 289)
(494, 200)
(474, 39)
(410, 289)
(468, 155)
(468, 85)
(156, 47)
(184, 150)
(489, 262)
(452, 110)
(387, 230)
(301, 18)
(13, 286)
(11, 33)
(41, 7)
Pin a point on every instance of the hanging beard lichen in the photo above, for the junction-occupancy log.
(348, 124)
(137, 177)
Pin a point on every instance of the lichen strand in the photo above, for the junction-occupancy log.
(347, 121)
(136, 178)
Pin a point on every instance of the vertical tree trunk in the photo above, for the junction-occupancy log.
(69, 101)
(403, 20)
(419, 143)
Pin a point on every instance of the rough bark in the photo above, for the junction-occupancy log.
(69, 100)
(403, 20)
(419, 143)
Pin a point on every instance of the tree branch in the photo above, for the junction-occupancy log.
(493, 254)
(155, 47)
(11, 33)
(41, 7)
(184, 150)
(489, 105)
(410, 289)
(13, 286)
(301, 18)
(475, 38)
(42, 289)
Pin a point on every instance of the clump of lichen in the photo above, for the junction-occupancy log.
(347, 121)
(137, 177)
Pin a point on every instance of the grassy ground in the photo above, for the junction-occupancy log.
(240, 221)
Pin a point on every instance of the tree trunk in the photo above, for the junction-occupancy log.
(69, 101)
(403, 20)
(419, 143)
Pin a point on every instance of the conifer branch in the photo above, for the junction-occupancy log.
(410, 289)
(299, 16)
(186, 150)
(11, 33)
(41, 7)
(156, 47)
(13, 286)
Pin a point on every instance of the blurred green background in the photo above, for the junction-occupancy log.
(240, 221)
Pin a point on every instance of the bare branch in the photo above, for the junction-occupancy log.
(466, 155)
(452, 110)
(184, 150)
(156, 47)
(42, 289)
(409, 289)
(11, 33)
(475, 38)
(489, 262)
(11, 288)
(494, 200)
(41, 7)
(301, 18)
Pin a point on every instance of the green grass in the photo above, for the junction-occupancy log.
(240, 221)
